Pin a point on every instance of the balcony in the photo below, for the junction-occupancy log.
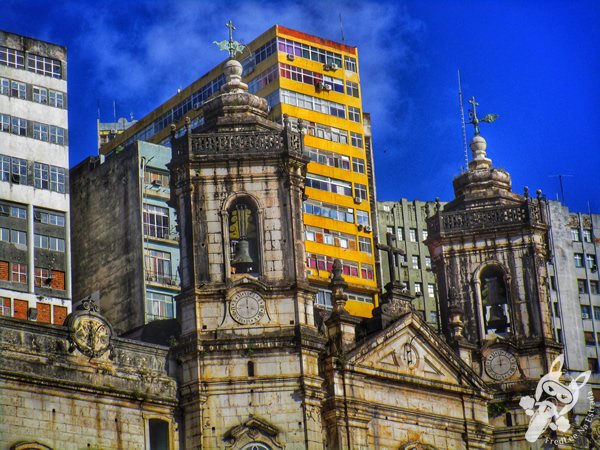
(162, 279)
(456, 222)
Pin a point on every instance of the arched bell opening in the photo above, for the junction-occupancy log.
(495, 301)
(244, 254)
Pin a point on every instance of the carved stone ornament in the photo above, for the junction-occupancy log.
(417, 446)
(89, 332)
(252, 430)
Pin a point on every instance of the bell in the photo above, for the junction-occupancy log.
(242, 253)
(498, 320)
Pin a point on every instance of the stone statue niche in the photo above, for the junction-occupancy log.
(494, 298)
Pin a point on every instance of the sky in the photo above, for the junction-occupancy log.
(534, 63)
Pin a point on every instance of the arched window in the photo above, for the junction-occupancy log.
(256, 446)
(243, 238)
(494, 298)
(30, 446)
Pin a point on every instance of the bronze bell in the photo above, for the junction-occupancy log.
(242, 253)
(498, 320)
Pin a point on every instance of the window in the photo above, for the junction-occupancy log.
(582, 286)
(593, 365)
(575, 235)
(322, 262)
(4, 234)
(359, 298)
(158, 434)
(578, 259)
(590, 261)
(19, 126)
(585, 312)
(589, 338)
(428, 262)
(256, 446)
(354, 114)
(412, 234)
(44, 65)
(362, 218)
(19, 171)
(418, 288)
(416, 264)
(433, 317)
(156, 178)
(18, 237)
(556, 310)
(57, 179)
(159, 306)
(350, 64)
(400, 234)
(358, 165)
(328, 158)
(263, 79)
(329, 237)
(18, 89)
(327, 132)
(389, 230)
(323, 298)
(330, 211)
(425, 234)
(158, 267)
(360, 191)
(56, 244)
(365, 245)
(18, 212)
(552, 282)
(356, 139)
(594, 287)
(366, 271)
(587, 235)
(49, 218)
(4, 168)
(312, 103)
(156, 221)
(329, 184)
(5, 123)
(40, 131)
(5, 308)
(596, 312)
(57, 135)
(41, 174)
(56, 99)
(431, 290)
(43, 277)
(352, 89)
(19, 273)
(4, 86)
(40, 95)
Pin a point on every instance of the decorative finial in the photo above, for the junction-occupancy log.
(337, 286)
(231, 46)
(473, 116)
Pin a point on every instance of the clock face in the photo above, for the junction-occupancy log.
(247, 307)
(500, 364)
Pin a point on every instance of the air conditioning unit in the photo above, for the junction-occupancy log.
(327, 87)
(332, 66)
(357, 200)
(290, 57)
(368, 229)
(156, 183)
(360, 227)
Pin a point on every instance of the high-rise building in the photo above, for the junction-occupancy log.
(406, 222)
(107, 131)
(35, 252)
(125, 243)
(318, 81)
(574, 291)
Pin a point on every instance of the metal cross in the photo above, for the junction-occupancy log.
(489, 118)
(392, 252)
(231, 46)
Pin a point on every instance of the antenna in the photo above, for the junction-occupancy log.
(560, 180)
(342, 29)
(462, 121)
(114, 111)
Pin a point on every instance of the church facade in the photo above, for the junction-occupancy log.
(254, 365)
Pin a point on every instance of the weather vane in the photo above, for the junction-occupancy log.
(231, 46)
(473, 116)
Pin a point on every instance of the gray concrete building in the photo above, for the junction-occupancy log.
(125, 242)
(573, 269)
(406, 221)
(35, 280)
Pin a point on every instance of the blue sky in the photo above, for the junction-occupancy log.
(535, 63)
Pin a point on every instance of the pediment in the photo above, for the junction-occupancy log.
(252, 430)
(410, 348)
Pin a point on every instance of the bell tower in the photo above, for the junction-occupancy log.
(489, 253)
(248, 347)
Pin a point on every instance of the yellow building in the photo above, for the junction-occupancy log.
(318, 81)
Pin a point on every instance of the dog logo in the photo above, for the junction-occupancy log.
(553, 400)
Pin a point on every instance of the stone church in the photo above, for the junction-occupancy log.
(252, 364)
